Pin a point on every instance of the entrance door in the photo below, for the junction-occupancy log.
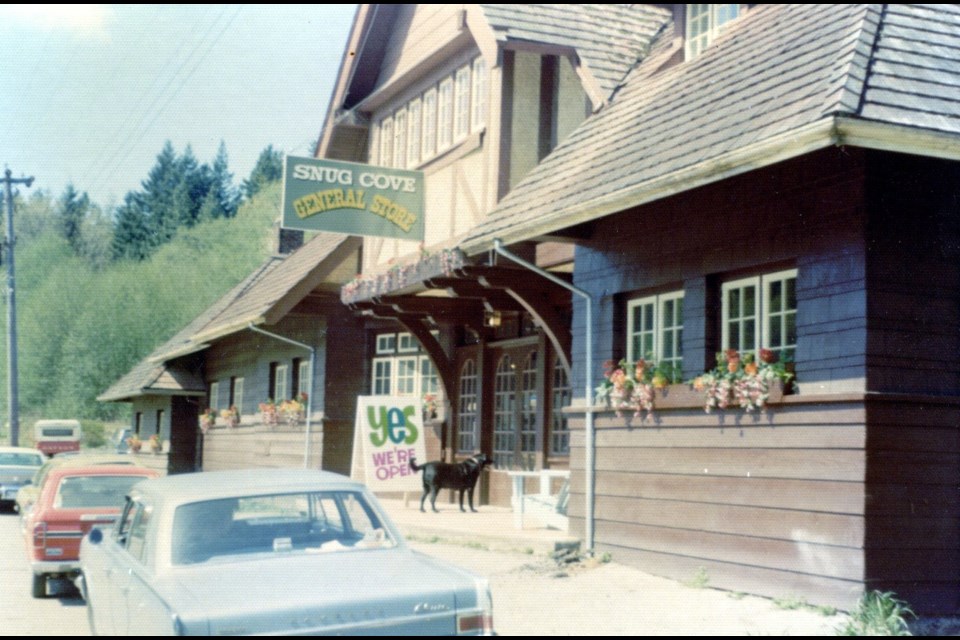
(516, 418)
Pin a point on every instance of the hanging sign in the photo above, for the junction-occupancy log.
(387, 434)
(357, 199)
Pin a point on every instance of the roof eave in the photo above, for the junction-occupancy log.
(834, 130)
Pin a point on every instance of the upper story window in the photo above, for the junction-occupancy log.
(761, 312)
(703, 24)
(400, 368)
(655, 329)
(432, 121)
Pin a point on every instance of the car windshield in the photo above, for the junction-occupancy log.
(93, 491)
(316, 522)
(20, 459)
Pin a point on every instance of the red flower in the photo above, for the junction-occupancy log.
(768, 356)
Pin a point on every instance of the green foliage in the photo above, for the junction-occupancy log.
(82, 326)
(878, 614)
(94, 434)
(269, 168)
(700, 579)
(72, 209)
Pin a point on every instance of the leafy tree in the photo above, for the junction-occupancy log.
(269, 168)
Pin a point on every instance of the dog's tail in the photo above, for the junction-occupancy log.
(413, 464)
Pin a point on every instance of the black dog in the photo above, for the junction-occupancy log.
(443, 475)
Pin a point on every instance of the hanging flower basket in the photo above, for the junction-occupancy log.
(268, 413)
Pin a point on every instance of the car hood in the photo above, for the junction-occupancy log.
(372, 590)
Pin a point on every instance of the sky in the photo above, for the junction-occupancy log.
(90, 93)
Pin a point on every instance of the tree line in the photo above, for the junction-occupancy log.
(92, 301)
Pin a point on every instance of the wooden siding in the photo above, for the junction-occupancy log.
(807, 213)
(913, 271)
(770, 504)
(418, 31)
(246, 447)
(912, 534)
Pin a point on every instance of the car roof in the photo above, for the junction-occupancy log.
(5, 449)
(212, 485)
(101, 470)
(64, 421)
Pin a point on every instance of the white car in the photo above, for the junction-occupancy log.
(272, 552)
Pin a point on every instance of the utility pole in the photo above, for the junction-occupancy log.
(13, 403)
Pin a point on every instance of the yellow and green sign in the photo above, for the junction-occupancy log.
(358, 199)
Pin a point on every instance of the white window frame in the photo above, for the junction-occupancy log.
(414, 123)
(280, 378)
(400, 139)
(406, 343)
(303, 378)
(478, 115)
(215, 395)
(429, 124)
(444, 114)
(761, 310)
(382, 372)
(657, 331)
(386, 343)
(386, 141)
(238, 394)
(406, 381)
(461, 102)
(702, 28)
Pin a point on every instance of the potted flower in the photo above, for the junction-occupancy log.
(135, 443)
(429, 406)
(155, 444)
(742, 380)
(293, 410)
(207, 419)
(231, 416)
(268, 412)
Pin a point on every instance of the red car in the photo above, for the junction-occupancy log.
(72, 501)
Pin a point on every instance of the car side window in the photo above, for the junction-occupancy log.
(125, 523)
(137, 539)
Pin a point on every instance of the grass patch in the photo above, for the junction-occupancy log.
(700, 579)
(878, 614)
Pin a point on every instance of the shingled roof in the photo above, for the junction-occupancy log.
(264, 296)
(782, 80)
(608, 38)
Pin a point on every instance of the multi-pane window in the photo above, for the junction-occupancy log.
(559, 428)
(655, 329)
(703, 24)
(504, 414)
(478, 118)
(401, 369)
(214, 402)
(445, 115)
(236, 393)
(413, 133)
(462, 103)
(280, 389)
(400, 139)
(303, 378)
(430, 123)
(386, 142)
(528, 405)
(761, 312)
(468, 424)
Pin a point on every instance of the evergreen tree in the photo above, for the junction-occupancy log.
(71, 210)
(269, 168)
(221, 199)
(133, 232)
(158, 199)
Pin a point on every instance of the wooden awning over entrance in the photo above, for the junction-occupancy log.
(468, 296)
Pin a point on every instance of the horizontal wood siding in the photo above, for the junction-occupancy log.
(914, 275)
(247, 447)
(771, 504)
(912, 535)
(808, 213)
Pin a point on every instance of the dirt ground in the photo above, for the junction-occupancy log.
(534, 595)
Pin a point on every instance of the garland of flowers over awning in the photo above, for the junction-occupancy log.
(401, 276)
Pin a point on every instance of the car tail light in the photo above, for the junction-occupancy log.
(475, 623)
(40, 535)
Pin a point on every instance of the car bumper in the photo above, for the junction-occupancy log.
(8, 492)
(55, 566)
